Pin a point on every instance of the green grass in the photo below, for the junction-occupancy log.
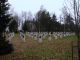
(60, 49)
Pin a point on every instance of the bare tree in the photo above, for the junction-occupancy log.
(75, 10)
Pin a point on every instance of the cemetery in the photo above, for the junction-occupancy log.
(41, 46)
(44, 35)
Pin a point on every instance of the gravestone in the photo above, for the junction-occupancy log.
(22, 36)
(40, 39)
(49, 36)
(35, 37)
(55, 37)
(60, 35)
(10, 36)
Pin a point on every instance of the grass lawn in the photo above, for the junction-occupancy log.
(60, 49)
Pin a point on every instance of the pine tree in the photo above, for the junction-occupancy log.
(24, 27)
(55, 24)
(5, 46)
(69, 24)
(13, 27)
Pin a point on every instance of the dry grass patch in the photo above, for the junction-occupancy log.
(59, 49)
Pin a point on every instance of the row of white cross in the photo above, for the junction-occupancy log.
(10, 35)
(40, 36)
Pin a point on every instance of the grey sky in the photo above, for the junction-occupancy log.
(34, 5)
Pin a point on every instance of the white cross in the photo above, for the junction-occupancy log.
(22, 36)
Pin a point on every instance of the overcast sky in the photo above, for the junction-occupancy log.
(34, 5)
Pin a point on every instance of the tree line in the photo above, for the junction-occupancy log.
(44, 22)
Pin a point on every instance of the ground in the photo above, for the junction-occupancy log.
(60, 49)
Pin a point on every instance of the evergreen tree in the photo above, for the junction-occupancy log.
(43, 20)
(24, 27)
(69, 24)
(55, 25)
(5, 46)
(13, 27)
